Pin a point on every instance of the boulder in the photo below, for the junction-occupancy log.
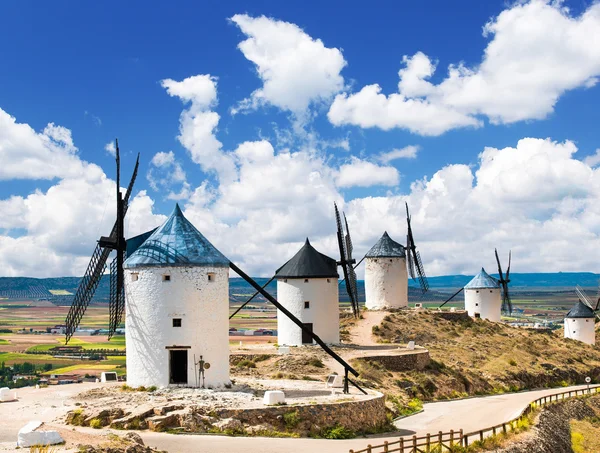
(31, 435)
(229, 424)
(134, 420)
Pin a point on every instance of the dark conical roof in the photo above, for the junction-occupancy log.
(176, 243)
(308, 263)
(581, 310)
(386, 247)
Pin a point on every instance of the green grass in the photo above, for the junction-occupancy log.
(114, 343)
(2, 341)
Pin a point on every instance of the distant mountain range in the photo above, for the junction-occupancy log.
(43, 288)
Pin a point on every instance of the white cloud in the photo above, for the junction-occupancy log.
(27, 154)
(198, 124)
(408, 152)
(296, 70)
(593, 160)
(166, 174)
(537, 52)
(362, 173)
(110, 148)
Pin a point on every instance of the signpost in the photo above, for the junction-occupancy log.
(587, 381)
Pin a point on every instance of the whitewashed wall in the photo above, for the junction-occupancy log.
(151, 305)
(581, 329)
(324, 312)
(386, 283)
(486, 301)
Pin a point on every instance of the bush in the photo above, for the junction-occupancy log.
(246, 364)
(337, 432)
(512, 362)
(291, 419)
(316, 362)
(96, 423)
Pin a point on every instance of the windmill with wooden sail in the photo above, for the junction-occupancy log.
(115, 241)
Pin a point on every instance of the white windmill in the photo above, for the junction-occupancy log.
(580, 322)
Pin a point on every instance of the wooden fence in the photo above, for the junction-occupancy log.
(444, 442)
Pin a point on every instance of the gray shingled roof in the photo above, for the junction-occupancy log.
(581, 310)
(386, 247)
(308, 263)
(482, 281)
(176, 243)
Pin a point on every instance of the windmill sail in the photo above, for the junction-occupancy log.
(504, 281)
(415, 264)
(346, 260)
(90, 281)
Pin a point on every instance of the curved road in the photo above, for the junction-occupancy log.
(469, 414)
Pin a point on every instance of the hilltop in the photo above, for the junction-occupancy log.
(476, 357)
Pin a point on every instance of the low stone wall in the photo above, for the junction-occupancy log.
(359, 416)
(453, 315)
(418, 360)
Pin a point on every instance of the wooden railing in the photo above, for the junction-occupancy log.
(444, 442)
(424, 444)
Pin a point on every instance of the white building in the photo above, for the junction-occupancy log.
(307, 285)
(177, 308)
(483, 298)
(580, 324)
(386, 278)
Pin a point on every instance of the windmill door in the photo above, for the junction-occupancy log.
(307, 339)
(178, 364)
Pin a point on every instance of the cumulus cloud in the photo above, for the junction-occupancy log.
(27, 154)
(110, 148)
(166, 175)
(53, 232)
(295, 69)
(408, 152)
(362, 173)
(594, 159)
(198, 123)
(537, 52)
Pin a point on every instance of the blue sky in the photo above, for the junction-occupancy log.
(98, 72)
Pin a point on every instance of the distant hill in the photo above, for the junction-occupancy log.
(40, 288)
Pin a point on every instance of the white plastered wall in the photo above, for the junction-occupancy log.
(151, 305)
(485, 301)
(386, 283)
(581, 329)
(323, 311)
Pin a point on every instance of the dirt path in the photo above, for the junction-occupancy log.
(362, 332)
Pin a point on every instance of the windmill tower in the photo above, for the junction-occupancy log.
(580, 322)
(386, 277)
(307, 286)
(177, 309)
(483, 298)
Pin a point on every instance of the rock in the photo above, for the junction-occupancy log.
(229, 424)
(134, 437)
(259, 429)
(101, 415)
(135, 420)
(168, 408)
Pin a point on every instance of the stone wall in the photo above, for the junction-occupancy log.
(552, 432)
(418, 360)
(359, 416)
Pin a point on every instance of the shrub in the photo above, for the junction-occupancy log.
(316, 362)
(291, 419)
(337, 432)
(96, 423)
(246, 364)
(512, 362)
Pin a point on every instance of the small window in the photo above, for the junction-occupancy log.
(306, 304)
(477, 305)
(166, 278)
(328, 280)
(477, 291)
(391, 261)
(134, 277)
(285, 280)
(176, 322)
(211, 276)
(491, 291)
(306, 280)
(587, 320)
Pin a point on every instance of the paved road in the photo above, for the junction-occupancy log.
(469, 414)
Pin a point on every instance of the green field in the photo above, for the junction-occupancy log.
(117, 342)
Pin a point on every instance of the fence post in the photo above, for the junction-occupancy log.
(451, 437)
(385, 447)
(481, 435)
(369, 448)
(466, 440)
(504, 428)
(414, 444)
(494, 431)
(428, 445)
(401, 445)
(440, 438)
